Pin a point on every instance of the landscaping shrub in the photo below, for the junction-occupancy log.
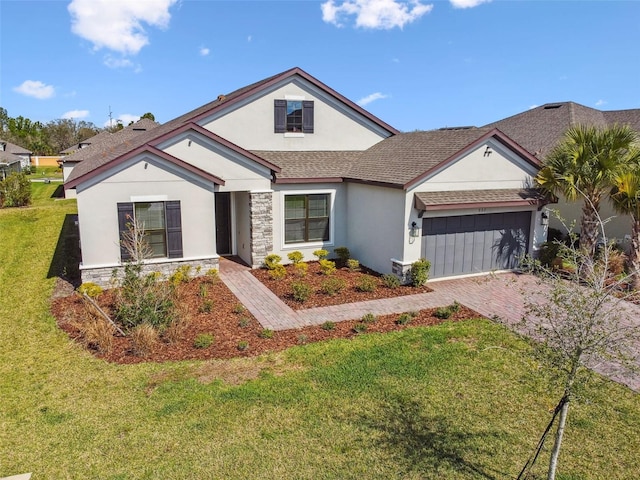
(360, 327)
(143, 337)
(327, 267)
(366, 283)
(301, 269)
(369, 318)
(353, 265)
(278, 272)
(333, 286)
(203, 340)
(390, 280)
(301, 291)
(271, 260)
(295, 257)
(343, 255)
(321, 253)
(96, 333)
(243, 345)
(454, 307)
(404, 318)
(181, 275)
(420, 272)
(238, 308)
(15, 191)
(328, 325)
(302, 339)
(212, 275)
(175, 330)
(202, 291)
(90, 289)
(549, 251)
(243, 322)
(266, 333)
(206, 307)
(443, 313)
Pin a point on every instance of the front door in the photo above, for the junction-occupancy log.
(223, 223)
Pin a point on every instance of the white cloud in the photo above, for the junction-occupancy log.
(204, 51)
(113, 62)
(371, 98)
(118, 25)
(533, 106)
(601, 102)
(125, 119)
(35, 89)
(76, 114)
(376, 14)
(467, 3)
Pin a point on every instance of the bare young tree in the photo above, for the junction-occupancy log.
(134, 241)
(580, 320)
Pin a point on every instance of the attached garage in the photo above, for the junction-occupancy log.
(467, 244)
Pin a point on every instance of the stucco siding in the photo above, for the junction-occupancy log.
(477, 171)
(336, 127)
(143, 180)
(376, 226)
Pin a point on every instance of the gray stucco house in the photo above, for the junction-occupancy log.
(287, 164)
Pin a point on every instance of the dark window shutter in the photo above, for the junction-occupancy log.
(174, 229)
(125, 217)
(280, 116)
(307, 116)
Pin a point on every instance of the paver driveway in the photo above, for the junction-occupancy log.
(499, 297)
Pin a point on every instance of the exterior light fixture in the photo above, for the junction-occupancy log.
(414, 230)
(544, 218)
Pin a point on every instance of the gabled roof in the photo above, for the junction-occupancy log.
(405, 159)
(455, 199)
(539, 129)
(99, 158)
(9, 158)
(15, 149)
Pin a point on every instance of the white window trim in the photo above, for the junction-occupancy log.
(296, 246)
(293, 135)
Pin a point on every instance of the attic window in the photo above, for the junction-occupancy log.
(551, 107)
(295, 116)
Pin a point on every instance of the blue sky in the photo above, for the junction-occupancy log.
(415, 64)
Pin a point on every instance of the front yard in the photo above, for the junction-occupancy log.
(459, 400)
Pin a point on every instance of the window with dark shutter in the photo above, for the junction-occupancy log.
(293, 116)
(280, 115)
(307, 116)
(125, 217)
(174, 229)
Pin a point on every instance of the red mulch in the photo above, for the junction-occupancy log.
(224, 323)
(283, 289)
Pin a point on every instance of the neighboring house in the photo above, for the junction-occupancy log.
(100, 143)
(289, 164)
(9, 163)
(539, 129)
(7, 149)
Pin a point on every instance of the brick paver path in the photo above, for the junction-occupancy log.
(498, 297)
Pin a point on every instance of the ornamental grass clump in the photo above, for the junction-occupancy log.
(203, 340)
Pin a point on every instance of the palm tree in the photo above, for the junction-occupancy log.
(625, 196)
(585, 164)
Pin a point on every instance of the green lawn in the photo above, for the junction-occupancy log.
(456, 401)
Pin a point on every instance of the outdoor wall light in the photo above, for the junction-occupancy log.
(414, 230)
(544, 218)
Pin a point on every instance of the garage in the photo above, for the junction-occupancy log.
(468, 244)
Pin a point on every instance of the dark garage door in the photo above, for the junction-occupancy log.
(475, 243)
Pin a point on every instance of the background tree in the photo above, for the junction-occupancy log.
(149, 115)
(579, 322)
(585, 165)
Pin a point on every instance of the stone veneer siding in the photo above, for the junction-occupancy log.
(401, 270)
(104, 276)
(261, 214)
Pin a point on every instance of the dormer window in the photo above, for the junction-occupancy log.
(293, 116)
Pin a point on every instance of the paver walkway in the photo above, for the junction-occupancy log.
(498, 297)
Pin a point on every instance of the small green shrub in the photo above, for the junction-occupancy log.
(360, 327)
(203, 290)
(90, 289)
(204, 340)
(328, 325)
(343, 254)
(390, 281)
(243, 322)
(181, 275)
(366, 283)
(443, 313)
(295, 257)
(278, 272)
(454, 307)
(243, 345)
(271, 260)
(353, 265)
(327, 267)
(206, 307)
(369, 318)
(301, 291)
(404, 319)
(301, 269)
(420, 272)
(302, 339)
(238, 308)
(266, 333)
(15, 191)
(549, 251)
(333, 286)
(321, 253)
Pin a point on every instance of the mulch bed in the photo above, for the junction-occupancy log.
(227, 322)
(284, 290)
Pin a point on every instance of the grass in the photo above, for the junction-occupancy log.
(457, 401)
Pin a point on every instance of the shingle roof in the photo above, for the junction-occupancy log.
(311, 164)
(539, 129)
(15, 149)
(90, 141)
(456, 199)
(9, 158)
(112, 152)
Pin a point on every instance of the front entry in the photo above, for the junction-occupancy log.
(223, 223)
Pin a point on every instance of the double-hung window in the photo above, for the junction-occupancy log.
(161, 223)
(306, 218)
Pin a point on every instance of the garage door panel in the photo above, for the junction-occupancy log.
(475, 243)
